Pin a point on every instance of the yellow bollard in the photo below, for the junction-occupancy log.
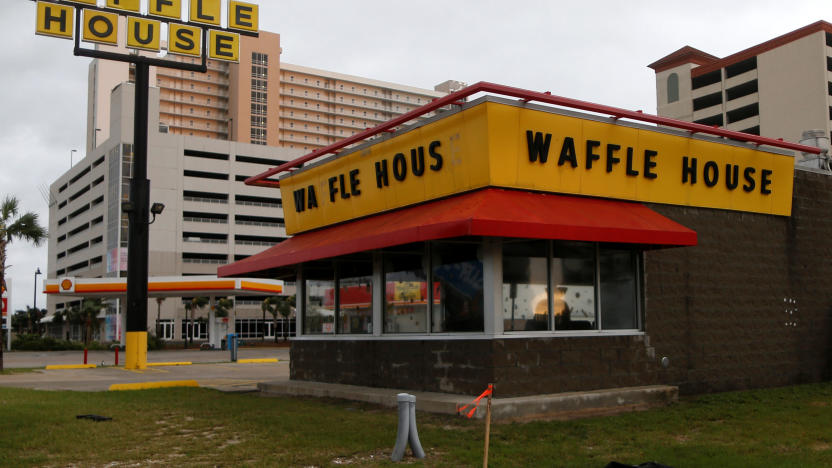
(135, 350)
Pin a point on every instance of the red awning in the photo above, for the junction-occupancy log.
(489, 212)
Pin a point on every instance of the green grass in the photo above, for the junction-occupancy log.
(19, 370)
(785, 427)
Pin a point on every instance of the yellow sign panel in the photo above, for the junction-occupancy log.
(100, 27)
(184, 40)
(206, 11)
(165, 8)
(85, 2)
(143, 33)
(55, 20)
(223, 46)
(502, 145)
(126, 5)
(242, 15)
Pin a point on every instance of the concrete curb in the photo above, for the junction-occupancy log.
(569, 405)
(71, 366)
(149, 385)
(160, 364)
(253, 361)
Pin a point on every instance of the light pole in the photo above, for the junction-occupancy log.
(34, 301)
(71, 152)
(35, 295)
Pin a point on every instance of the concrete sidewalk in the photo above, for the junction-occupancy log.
(210, 369)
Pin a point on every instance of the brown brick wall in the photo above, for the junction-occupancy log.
(716, 310)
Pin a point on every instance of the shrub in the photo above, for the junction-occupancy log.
(28, 342)
(154, 342)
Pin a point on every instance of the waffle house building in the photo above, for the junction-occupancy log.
(548, 250)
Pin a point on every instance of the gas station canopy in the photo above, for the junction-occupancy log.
(164, 286)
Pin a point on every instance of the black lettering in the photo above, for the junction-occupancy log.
(437, 158)
(224, 45)
(137, 31)
(399, 167)
(186, 36)
(354, 190)
(417, 161)
(748, 175)
(241, 14)
(200, 14)
(382, 180)
(160, 4)
(49, 18)
(333, 190)
(590, 156)
(650, 164)
(538, 146)
(710, 173)
(342, 184)
(630, 171)
(311, 198)
(567, 153)
(611, 159)
(689, 170)
(765, 181)
(300, 202)
(732, 176)
(108, 26)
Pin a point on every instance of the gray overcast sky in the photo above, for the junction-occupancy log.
(596, 51)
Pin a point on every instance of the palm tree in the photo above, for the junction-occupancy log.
(284, 308)
(90, 308)
(85, 315)
(269, 305)
(193, 306)
(223, 306)
(13, 227)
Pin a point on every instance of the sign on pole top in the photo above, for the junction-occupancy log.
(201, 35)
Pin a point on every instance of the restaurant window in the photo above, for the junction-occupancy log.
(457, 272)
(319, 310)
(406, 292)
(594, 286)
(525, 285)
(619, 298)
(573, 283)
(354, 275)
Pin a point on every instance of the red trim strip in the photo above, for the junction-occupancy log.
(526, 95)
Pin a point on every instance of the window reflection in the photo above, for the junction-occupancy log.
(319, 313)
(457, 270)
(573, 277)
(406, 295)
(525, 295)
(618, 290)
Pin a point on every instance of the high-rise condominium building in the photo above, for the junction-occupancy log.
(779, 88)
(210, 218)
(208, 133)
(259, 100)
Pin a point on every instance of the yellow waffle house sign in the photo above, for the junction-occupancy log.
(500, 143)
(101, 24)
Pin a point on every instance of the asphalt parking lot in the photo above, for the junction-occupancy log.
(211, 369)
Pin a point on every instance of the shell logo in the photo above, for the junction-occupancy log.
(66, 284)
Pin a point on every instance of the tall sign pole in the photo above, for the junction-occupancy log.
(205, 40)
(138, 241)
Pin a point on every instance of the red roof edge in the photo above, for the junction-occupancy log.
(763, 47)
(686, 54)
(489, 212)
